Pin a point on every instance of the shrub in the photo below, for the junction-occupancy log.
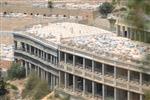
(106, 8)
(35, 88)
(16, 71)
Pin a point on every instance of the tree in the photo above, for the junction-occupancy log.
(147, 95)
(138, 16)
(16, 71)
(35, 88)
(50, 4)
(106, 8)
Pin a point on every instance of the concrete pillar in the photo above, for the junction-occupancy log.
(140, 78)
(26, 68)
(103, 71)
(128, 78)
(51, 82)
(59, 80)
(93, 89)
(65, 57)
(84, 87)
(92, 65)
(115, 94)
(74, 84)
(30, 69)
(103, 92)
(30, 49)
(73, 60)
(83, 63)
(128, 98)
(38, 71)
(141, 97)
(25, 47)
(65, 80)
(58, 56)
(51, 58)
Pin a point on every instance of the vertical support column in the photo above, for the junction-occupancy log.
(37, 52)
(51, 82)
(26, 68)
(59, 56)
(30, 67)
(83, 63)
(93, 89)
(128, 79)
(34, 50)
(65, 80)
(128, 96)
(74, 84)
(141, 97)
(65, 58)
(59, 79)
(51, 58)
(38, 71)
(30, 49)
(46, 56)
(103, 71)
(73, 60)
(25, 47)
(115, 94)
(128, 84)
(92, 65)
(103, 92)
(84, 87)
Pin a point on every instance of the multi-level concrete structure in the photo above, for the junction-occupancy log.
(85, 61)
(124, 29)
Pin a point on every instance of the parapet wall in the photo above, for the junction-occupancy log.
(86, 14)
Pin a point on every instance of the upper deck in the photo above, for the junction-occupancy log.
(92, 40)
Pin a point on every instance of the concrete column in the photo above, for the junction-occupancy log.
(128, 98)
(25, 47)
(73, 60)
(74, 84)
(65, 80)
(65, 58)
(46, 56)
(115, 94)
(30, 69)
(141, 97)
(103, 92)
(92, 65)
(51, 58)
(140, 78)
(26, 68)
(59, 80)
(103, 71)
(51, 81)
(30, 49)
(38, 70)
(83, 63)
(93, 89)
(58, 56)
(128, 78)
(84, 87)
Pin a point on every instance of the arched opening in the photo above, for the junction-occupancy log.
(37, 14)
(25, 13)
(31, 14)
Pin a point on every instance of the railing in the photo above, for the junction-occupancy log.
(119, 62)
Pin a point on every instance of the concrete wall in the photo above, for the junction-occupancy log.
(86, 14)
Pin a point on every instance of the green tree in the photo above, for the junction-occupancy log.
(147, 95)
(106, 8)
(138, 16)
(50, 4)
(40, 90)
(16, 71)
(35, 88)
